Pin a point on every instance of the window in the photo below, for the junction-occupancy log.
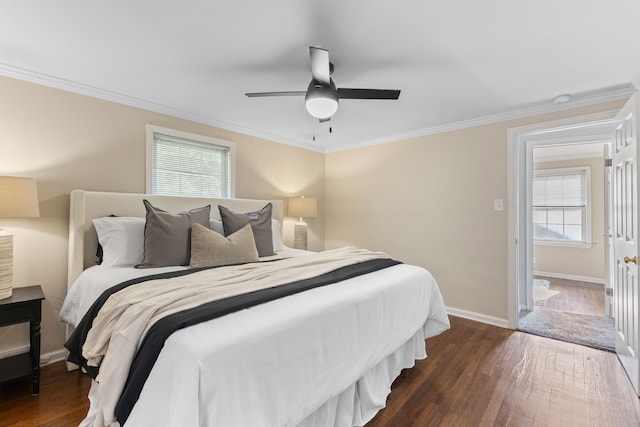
(561, 208)
(184, 164)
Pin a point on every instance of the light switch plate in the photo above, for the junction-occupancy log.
(498, 205)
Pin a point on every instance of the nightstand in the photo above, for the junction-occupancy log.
(23, 306)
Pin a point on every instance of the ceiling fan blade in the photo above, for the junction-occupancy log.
(289, 93)
(345, 93)
(320, 65)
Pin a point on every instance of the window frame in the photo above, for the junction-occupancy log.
(587, 227)
(151, 130)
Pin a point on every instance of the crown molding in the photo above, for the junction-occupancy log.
(612, 94)
(82, 89)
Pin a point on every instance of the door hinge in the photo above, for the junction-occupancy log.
(608, 292)
(608, 163)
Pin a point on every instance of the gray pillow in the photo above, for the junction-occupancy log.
(260, 225)
(212, 249)
(167, 235)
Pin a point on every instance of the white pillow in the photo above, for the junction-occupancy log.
(121, 238)
(276, 233)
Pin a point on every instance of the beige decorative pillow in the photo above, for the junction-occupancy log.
(211, 249)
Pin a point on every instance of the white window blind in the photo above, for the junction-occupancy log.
(560, 190)
(560, 205)
(189, 167)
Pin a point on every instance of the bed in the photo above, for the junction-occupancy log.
(323, 353)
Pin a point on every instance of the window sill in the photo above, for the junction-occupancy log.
(563, 244)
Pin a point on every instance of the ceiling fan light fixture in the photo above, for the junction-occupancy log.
(322, 108)
(322, 97)
(321, 101)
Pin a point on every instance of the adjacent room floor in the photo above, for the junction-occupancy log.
(573, 297)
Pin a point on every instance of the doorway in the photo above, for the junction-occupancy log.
(589, 129)
(569, 229)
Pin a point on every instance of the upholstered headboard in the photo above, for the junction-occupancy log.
(87, 205)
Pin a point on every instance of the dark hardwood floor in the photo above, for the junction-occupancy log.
(475, 375)
(481, 375)
(62, 400)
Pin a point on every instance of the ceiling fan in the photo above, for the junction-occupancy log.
(321, 97)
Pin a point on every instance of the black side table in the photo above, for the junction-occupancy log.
(23, 306)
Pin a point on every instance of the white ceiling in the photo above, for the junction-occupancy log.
(456, 62)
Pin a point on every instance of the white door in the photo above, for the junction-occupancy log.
(625, 212)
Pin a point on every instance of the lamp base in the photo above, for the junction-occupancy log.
(300, 236)
(6, 264)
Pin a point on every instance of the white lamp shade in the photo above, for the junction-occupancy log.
(18, 197)
(322, 108)
(303, 207)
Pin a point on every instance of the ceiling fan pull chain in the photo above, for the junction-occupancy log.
(313, 127)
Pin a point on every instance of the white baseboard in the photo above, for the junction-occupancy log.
(478, 317)
(61, 354)
(570, 277)
(53, 357)
(45, 358)
(14, 351)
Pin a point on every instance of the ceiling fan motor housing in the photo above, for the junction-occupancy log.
(321, 100)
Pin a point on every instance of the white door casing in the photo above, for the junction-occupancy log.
(626, 302)
(597, 127)
(608, 233)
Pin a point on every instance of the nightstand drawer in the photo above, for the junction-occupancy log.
(17, 314)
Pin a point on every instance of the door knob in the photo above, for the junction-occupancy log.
(633, 260)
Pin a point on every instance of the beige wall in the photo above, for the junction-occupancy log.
(565, 261)
(68, 141)
(429, 201)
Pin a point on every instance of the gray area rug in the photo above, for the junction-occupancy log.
(583, 329)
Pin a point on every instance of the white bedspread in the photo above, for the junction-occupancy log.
(325, 355)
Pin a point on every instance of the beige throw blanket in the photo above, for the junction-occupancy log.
(127, 315)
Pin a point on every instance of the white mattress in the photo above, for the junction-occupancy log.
(322, 357)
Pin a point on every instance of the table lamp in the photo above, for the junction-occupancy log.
(302, 207)
(18, 199)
